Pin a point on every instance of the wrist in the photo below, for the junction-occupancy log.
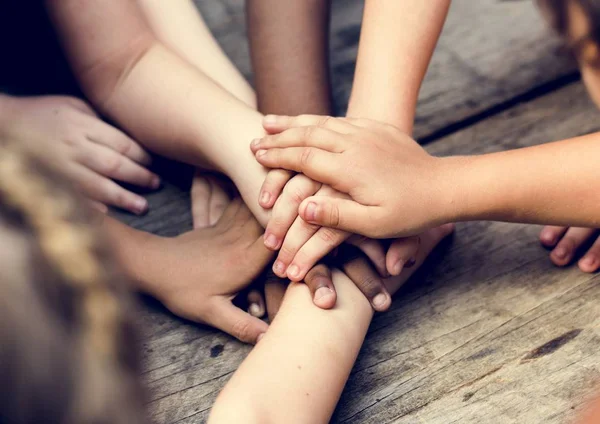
(455, 202)
(139, 253)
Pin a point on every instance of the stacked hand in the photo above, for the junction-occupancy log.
(379, 167)
(94, 152)
(302, 242)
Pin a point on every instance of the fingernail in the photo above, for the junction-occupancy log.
(397, 268)
(322, 292)
(270, 119)
(311, 211)
(278, 268)
(379, 300)
(255, 309)
(271, 241)
(260, 336)
(410, 263)
(140, 205)
(155, 183)
(548, 237)
(260, 153)
(293, 271)
(561, 252)
(255, 142)
(589, 261)
(265, 197)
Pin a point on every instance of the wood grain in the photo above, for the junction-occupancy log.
(490, 52)
(490, 331)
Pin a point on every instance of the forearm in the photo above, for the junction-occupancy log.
(298, 370)
(135, 251)
(530, 185)
(163, 101)
(289, 46)
(179, 26)
(396, 43)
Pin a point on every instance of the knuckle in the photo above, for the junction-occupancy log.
(112, 164)
(325, 120)
(334, 216)
(370, 285)
(329, 236)
(306, 157)
(287, 252)
(242, 330)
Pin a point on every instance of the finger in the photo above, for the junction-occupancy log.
(109, 136)
(321, 287)
(369, 282)
(278, 123)
(218, 200)
(256, 304)
(319, 137)
(272, 186)
(590, 262)
(100, 207)
(274, 291)
(285, 210)
(319, 245)
(116, 166)
(374, 250)
(429, 240)
(231, 212)
(402, 253)
(232, 320)
(200, 196)
(81, 105)
(107, 191)
(317, 164)
(298, 234)
(567, 247)
(343, 214)
(550, 235)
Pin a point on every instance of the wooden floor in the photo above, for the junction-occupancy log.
(490, 331)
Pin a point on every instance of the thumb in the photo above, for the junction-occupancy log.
(257, 257)
(227, 317)
(343, 214)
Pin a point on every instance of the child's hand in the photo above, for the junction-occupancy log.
(198, 274)
(302, 244)
(209, 199)
(95, 152)
(393, 182)
(567, 242)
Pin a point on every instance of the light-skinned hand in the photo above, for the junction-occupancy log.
(393, 183)
(94, 152)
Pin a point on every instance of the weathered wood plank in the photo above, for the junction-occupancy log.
(489, 52)
(459, 348)
(455, 345)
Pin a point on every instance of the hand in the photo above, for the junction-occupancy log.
(304, 244)
(209, 199)
(394, 184)
(359, 270)
(566, 242)
(198, 274)
(95, 153)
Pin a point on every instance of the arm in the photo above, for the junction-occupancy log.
(289, 49)
(522, 185)
(163, 101)
(298, 370)
(180, 27)
(197, 274)
(396, 43)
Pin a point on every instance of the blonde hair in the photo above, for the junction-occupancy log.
(65, 317)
